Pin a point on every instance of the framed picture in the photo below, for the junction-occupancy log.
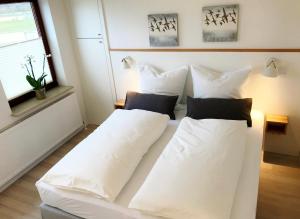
(220, 23)
(163, 30)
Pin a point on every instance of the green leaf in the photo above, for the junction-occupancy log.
(31, 81)
(40, 80)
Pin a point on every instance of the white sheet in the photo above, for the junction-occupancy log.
(86, 206)
(103, 162)
(197, 173)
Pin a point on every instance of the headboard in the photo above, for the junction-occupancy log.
(268, 93)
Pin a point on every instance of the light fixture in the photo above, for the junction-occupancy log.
(271, 68)
(128, 62)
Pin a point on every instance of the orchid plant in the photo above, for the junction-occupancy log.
(37, 83)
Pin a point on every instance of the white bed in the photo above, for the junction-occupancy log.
(90, 207)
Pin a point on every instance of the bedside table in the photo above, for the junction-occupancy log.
(276, 123)
(119, 104)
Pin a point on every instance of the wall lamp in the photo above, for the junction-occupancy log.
(271, 68)
(128, 62)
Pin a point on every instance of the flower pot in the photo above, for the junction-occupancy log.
(40, 94)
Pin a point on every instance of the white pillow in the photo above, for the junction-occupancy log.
(210, 84)
(103, 163)
(169, 83)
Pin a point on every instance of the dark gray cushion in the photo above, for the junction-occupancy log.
(216, 108)
(151, 102)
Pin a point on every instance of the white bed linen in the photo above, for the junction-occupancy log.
(90, 207)
(197, 173)
(102, 163)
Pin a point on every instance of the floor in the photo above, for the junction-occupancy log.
(279, 189)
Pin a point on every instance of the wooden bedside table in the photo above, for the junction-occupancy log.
(119, 104)
(276, 123)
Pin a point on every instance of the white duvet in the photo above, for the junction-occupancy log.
(103, 163)
(197, 174)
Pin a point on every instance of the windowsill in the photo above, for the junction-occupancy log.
(33, 105)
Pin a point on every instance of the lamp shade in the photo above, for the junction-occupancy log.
(271, 68)
(127, 62)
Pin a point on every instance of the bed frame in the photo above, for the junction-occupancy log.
(49, 212)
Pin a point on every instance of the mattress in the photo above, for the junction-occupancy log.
(91, 207)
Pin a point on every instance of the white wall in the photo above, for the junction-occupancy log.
(263, 24)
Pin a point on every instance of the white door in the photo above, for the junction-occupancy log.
(95, 80)
(86, 18)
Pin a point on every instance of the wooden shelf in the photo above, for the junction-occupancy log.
(119, 104)
(33, 104)
(276, 123)
(297, 50)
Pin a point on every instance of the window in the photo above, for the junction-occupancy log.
(22, 34)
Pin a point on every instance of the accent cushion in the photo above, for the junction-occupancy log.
(151, 102)
(216, 108)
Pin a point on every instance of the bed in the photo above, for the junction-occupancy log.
(62, 204)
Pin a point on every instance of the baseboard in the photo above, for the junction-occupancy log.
(281, 159)
(40, 159)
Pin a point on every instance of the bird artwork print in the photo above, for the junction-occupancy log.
(219, 23)
(162, 23)
(163, 30)
(220, 17)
